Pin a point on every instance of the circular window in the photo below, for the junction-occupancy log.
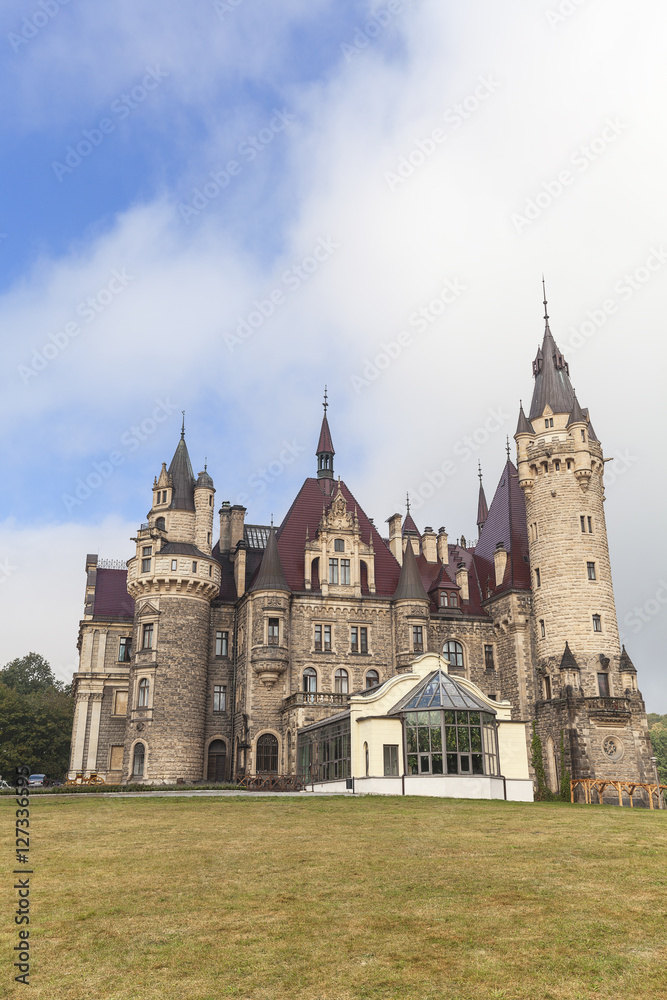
(613, 748)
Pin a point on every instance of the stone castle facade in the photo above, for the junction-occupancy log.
(203, 657)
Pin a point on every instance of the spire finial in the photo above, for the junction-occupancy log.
(546, 314)
(183, 425)
(407, 501)
(508, 448)
(272, 520)
(479, 471)
(325, 404)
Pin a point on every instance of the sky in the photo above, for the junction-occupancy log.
(225, 205)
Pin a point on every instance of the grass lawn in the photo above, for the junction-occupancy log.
(329, 899)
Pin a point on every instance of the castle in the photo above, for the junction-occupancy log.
(205, 658)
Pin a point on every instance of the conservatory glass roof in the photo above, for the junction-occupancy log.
(439, 690)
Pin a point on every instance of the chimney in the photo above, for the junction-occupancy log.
(462, 581)
(429, 545)
(238, 513)
(443, 550)
(225, 526)
(500, 562)
(239, 567)
(395, 540)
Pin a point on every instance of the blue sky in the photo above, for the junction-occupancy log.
(223, 145)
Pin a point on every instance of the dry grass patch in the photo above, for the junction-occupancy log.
(330, 899)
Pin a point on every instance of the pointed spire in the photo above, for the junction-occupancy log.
(577, 416)
(409, 526)
(523, 427)
(271, 576)
(552, 375)
(325, 449)
(568, 661)
(410, 586)
(182, 476)
(482, 508)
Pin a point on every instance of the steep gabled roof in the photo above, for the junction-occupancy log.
(270, 575)
(410, 586)
(182, 477)
(305, 515)
(111, 597)
(409, 526)
(506, 523)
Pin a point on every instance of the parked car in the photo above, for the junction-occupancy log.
(36, 780)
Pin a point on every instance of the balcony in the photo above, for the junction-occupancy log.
(315, 698)
(605, 708)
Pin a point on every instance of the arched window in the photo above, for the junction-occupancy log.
(339, 545)
(160, 523)
(310, 679)
(453, 651)
(267, 754)
(372, 679)
(341, 681)
(217, 761)
(453, 600)
(138, 760)
(143, 693)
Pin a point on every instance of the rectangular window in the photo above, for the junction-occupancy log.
(590, 567)
(147, 550)
(363, 640)
(547, 688)
(538, 578)
(194, 566)
(557, 466)
(147, 637)
(418, 638)
(116, 758)
(603, 685)
(146, 564)
(221, 643)
(358, 639)
(339, 545)
(174, 565)
(323, 637)
(488, 658)
(582, 521)
(354, 639)
(345, 571)
(333, 571)
(274, 631)
(597, 623)
(125, 650)
(390, 754)
(590, 524)
(543, 630)
(120, 703)
(219, 698)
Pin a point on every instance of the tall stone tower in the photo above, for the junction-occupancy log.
(587, 682)
(173, 580)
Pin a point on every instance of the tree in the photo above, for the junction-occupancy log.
(658, 733)
(36, 714)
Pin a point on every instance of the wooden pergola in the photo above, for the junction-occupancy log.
(599, 785)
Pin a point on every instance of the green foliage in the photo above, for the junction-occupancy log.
(36, 714)
(537, 762)
(565, 776)
(658, 733)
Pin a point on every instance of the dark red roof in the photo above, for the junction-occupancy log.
(409, 526)
(306, 512)
(506, 523)
(325, 443)
(111, 597)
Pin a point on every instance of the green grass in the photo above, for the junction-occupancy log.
(330, 899)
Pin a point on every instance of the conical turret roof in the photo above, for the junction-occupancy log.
(523, 426)
(577, 416)
(325, 444)
(410, 586)
(270, 575)
(182, 477)
(552, 379)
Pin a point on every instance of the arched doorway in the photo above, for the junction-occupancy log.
(267, 754)
(217, 761)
